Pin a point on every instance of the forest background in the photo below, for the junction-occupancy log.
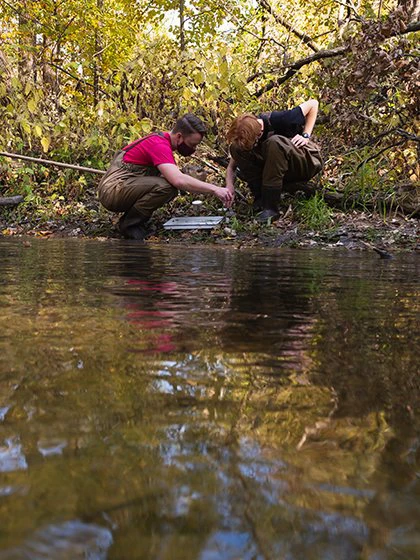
(79, 79)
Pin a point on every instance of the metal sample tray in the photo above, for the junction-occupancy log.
(194, 222)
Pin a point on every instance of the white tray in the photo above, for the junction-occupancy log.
(194, 222)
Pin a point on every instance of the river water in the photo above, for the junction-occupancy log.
(171, 402)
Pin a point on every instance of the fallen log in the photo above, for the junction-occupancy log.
(401, 205)
(405, 201)
(10, 200)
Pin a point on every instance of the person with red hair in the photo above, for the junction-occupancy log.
(273, 151)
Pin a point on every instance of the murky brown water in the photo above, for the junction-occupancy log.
(201, 403)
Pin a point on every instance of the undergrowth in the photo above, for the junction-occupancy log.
(314, 213)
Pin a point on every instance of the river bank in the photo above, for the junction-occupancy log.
(354, 230)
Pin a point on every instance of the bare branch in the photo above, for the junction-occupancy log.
(414, 26)
(81, 80)
(293, 68)
(320, 55)
(26, 16)
(52, 162)
(407, 135)
(241, 27)
(61, 35)
(305, 38)
(361, 164)
(350, 6)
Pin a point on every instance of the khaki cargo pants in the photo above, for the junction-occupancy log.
(125, 186)
(278, 163)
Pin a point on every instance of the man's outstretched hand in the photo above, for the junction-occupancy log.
(225, 195)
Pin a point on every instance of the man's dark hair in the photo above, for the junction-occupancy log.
(188, 124)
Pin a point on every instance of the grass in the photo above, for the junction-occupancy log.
(370, 183)
(315, 213)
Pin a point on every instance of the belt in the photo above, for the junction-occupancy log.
(133, 167)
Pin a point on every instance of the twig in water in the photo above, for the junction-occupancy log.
(381, 252)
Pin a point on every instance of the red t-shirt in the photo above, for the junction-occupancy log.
(151, 152)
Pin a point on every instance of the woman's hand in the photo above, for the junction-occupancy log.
(299, 141)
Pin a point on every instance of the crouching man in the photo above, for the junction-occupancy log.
(273, 152)
(143, 176)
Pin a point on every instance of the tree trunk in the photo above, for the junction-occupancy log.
(97, 57)
(26, 43)
(181, 25)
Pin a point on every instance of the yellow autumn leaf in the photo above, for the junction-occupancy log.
(26, 127)
(32, 105)
(45, 142)
(15, 82)
(38, 130)
(146, 125)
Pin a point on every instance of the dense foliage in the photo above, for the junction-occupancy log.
(79, 79)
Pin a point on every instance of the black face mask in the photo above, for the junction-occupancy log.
(185, 150)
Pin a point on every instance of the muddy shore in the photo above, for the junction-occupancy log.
(353, 230)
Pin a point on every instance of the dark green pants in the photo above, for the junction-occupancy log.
(278, 163)
(127, 186)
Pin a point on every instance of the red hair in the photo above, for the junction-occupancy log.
(244, 131)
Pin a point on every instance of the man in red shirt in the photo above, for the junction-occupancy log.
(143, 176)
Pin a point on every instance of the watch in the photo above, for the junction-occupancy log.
(305, 135)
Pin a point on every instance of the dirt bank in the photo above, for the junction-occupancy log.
(354, 230)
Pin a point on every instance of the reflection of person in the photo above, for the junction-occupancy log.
(273, 151)
(143, 176)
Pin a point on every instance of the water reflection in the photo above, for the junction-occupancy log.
(207, 403)
(51, 447)
(72, 539)
(11, 456)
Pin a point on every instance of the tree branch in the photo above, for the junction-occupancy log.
(81, 80)
(338, 51)
(52, 162)
(407, 135)
(305, 38)
(241, 27)
(293, 68)
(361, 164)
(26, 16)
(413, 26)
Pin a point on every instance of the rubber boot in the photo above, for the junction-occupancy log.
(270, 201)
(132, 225)
(255, 188)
